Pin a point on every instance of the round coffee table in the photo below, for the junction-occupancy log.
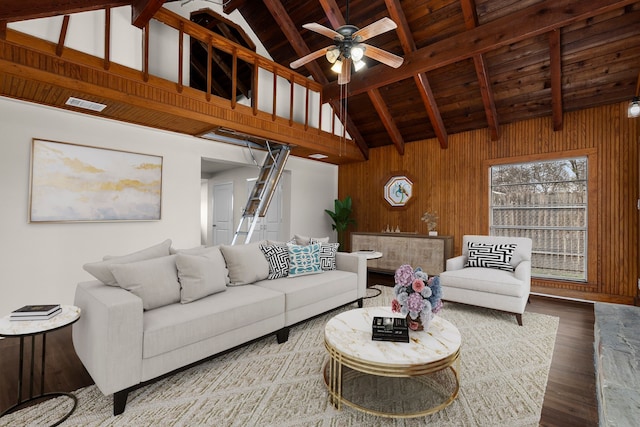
(391, 379)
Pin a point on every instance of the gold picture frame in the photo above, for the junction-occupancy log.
(80, 183)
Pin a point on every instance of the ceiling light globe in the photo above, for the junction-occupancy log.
(357, 53)
(332, 55)
(358, 65)
(337, 66)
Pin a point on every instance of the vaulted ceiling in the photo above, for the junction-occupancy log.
(468, 64)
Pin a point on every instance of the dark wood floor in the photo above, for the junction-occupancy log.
(570, 398)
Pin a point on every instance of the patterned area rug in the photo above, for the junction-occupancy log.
(504, 369)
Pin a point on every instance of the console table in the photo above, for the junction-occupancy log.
(418, 250)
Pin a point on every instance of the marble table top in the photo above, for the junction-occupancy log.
(369, 254)
(350, 334)
(16, 328)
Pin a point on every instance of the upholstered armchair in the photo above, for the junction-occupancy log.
(492, 272)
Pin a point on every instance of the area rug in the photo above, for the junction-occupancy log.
(503, 375)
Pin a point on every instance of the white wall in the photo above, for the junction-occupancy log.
(42, 263)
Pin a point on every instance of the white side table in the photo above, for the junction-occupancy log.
(370, 255)
(31, 328)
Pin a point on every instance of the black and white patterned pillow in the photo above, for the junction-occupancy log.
(328, 256)
(278, 258)
(490, 255)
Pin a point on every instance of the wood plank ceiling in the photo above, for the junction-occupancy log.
(469, 64)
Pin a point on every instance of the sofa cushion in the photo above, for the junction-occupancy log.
(175, 326)
(486, 280)
(199, 276)
(246, 263)
(489, 255)
(154, 281)
(304, 260)
(278, 259)
(306, 290)
(328, 256)
(100, 269)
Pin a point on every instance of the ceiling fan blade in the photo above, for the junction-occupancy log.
(381, 26)
(383, 56)
(321, 29)
(345, 75)
(308, 58)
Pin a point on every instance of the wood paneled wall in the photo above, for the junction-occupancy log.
(453, 183)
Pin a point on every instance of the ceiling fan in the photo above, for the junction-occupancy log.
(348, 47)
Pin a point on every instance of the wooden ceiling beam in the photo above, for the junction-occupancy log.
(387, 119)
(143, 10)
(422, 82)
(20, 10)
(293, 36)
(63, 35)
(556, 79)
(482, 71)
(529, 22)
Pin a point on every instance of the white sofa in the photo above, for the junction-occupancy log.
(490, 285)
(124, 343)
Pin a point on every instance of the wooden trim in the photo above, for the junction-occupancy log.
(63, 35)
(555, 59)
(180, 85)
(107, 38)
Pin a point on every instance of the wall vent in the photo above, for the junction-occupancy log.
(87, 105)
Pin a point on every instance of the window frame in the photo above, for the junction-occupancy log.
(592, 203)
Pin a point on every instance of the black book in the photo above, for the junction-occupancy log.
(393, 329)
(36, 310)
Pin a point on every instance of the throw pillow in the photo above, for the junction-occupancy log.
(278, 259)
(328, 256)
(213, 253)
(100, 270)
(489, 255)
(155, 281)
(304, 259)
(199, 277)
(246, 263)
(304, 240)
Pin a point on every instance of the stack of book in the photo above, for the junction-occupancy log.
(36, 312)
(390, 329)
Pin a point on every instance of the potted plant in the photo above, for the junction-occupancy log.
(341, 217)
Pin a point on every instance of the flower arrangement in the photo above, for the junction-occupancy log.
(417, 296)
(431, 218)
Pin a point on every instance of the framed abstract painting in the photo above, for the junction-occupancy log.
(78, 183)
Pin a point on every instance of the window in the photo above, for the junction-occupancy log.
(546, 201)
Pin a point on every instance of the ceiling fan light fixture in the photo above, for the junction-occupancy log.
(332, 54)
(634, 107)
(337, 66)
(357, 52)
(359, 65)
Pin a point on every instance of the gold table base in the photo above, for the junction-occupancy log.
(400, 388)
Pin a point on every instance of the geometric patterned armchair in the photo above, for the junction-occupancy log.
(492, 272)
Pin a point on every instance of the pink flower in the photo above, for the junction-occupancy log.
(417, 285)
(395, 306)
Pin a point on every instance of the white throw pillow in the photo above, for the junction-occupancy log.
(246, 263)
(100, 270)
(487, 255)
(213, 253)
(304, 259)
(199, 277)
(304, 240)
(155, 281)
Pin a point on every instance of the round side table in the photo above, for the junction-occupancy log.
(371, 255)
(31, 328)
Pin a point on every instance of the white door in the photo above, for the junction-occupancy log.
(222, 217)
(268, 227)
